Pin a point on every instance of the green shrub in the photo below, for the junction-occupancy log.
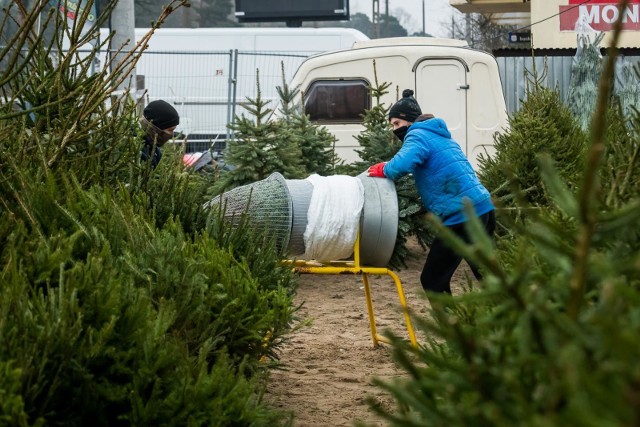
(98, 333)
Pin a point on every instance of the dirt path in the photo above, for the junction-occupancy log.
(329, 365)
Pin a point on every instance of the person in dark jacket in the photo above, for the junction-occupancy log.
(444, 179)
(159, 120)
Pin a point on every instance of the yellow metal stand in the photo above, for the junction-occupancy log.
(354, 267)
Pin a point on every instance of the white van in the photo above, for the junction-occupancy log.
(206, 72)
(450, 80)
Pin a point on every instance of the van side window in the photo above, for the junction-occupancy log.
(337, 101)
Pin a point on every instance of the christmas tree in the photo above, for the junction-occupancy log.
(259, 147)
(315, 142)
(585, 73)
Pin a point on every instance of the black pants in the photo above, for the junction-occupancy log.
(442, 261)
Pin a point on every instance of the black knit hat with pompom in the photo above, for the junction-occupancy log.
(406, 108)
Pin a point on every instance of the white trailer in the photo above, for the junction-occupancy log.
(207, 72)
(450, 80)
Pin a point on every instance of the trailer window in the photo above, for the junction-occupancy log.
(331, 101)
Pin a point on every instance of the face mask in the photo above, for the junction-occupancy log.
(163, 137)
(155, 134)
(401, 132)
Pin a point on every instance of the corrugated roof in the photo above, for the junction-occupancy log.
(491, 6)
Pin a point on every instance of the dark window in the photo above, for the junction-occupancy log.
(337, 101)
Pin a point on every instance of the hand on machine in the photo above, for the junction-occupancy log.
(377, 170)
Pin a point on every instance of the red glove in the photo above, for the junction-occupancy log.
(377, 170)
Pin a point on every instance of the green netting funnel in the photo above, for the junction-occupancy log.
(266, 202)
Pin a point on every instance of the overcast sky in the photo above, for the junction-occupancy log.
(409, 13)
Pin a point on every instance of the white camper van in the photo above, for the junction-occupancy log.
(450, 80)
(207, 72)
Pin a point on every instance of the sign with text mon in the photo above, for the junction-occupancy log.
(600, 14)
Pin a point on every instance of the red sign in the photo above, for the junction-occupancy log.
(600, 15)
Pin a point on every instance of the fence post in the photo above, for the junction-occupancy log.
(230, 96)
(235, 87)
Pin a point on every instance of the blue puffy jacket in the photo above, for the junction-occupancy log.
(443, 175)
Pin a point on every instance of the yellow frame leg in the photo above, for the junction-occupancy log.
(372, 317)
(405, 308)
(347, 267)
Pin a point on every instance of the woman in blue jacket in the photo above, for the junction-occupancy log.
(444, 179)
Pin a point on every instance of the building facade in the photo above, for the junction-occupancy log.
(552, 23)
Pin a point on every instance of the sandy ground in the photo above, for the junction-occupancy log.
(329, 365)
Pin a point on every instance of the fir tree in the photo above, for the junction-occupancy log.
(585, 73)
(620, 173)
(627, 87)
(315, 142)
(543, 124)
(377, 140)
(260, 147)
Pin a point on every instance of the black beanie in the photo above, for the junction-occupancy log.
(406, 108)
(162, 114)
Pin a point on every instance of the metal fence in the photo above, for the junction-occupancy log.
(210, 88)
(553, 71)
(516, 72)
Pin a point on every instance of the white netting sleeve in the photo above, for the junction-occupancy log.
(585, 33)
(333, 217)
(585, 72)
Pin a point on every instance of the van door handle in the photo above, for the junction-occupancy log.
(463, 87)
